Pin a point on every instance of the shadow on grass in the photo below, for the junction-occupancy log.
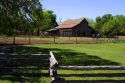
(92, 81)
(22, 68)
(81, 59)
(15, 79)
(64, 57)
(67, 56)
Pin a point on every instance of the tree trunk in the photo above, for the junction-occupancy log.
(54, 39)
(38, 31)
(14, 39)
(29, 38)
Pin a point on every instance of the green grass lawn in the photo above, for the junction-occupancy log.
(15, 79)
(87, 74)
(86, 54)
(78, 54)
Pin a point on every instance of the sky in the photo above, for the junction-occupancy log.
(74, 9)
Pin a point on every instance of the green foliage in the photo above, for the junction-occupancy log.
(108, 24)
(14, 13)
(24, 16)
(106, 18)
(91, 22)
(84, 54)
(120, 19)
(98, 24)
(49, 20)
(109, 27)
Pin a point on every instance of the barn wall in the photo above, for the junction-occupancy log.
(54, 33)
(65, 32)
(82, 30)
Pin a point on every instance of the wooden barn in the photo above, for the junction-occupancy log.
(72, 28)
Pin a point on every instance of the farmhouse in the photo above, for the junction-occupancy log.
(72, 28)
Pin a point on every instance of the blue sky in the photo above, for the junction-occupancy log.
(72, 9)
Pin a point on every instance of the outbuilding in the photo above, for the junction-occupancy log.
(72, 28)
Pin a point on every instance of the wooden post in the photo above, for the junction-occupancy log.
(53, 66)
(76, 37)
(14, 39)
(69, 37)
(54, 39)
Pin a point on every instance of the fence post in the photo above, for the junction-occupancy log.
(53, 67)
(54, 39)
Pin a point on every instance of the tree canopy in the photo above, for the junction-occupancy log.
(109, 24)
(24, 16)
(49, 20)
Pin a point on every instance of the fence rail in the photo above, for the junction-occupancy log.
(59, 78)
(74, 78)
(23, 67)
(21, 62)
(92, 67)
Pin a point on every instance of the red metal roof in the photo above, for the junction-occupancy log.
(69, 23)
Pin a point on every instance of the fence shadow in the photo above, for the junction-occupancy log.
(91, 81)
(81, 59)
(23, 66)
(64, 57)
(68, 57)
(93, 75)
(15, 79)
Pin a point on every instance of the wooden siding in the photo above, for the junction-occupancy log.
(79, 30)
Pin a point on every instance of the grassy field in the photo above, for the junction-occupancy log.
(77, 54)
(86, 54)
(88, 74)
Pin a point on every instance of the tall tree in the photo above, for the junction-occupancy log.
(98, 24)
(91, 22)
(14, 12)
(49, 20)
(108, 24)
